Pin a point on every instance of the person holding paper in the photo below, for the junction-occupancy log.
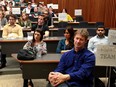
(76, 66)
(69, 18)
(12, 30)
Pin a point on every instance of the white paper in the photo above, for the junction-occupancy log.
(106, 55)
(62, 17)
(78, 12)
(48, 5)
(112, 36)
(55, 6)
(16, 10)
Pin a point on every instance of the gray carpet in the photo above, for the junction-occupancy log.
(11, 76)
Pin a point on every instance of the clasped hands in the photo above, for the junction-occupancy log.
(57, 78)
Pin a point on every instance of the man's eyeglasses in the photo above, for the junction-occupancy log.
(11, 19)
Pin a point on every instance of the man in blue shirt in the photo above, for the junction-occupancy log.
(75, 66)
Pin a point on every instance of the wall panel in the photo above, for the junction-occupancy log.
(93, 10)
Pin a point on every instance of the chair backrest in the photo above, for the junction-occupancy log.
(83, 24)
(92, 31)
(99, 24)
(33, 19)
(62, 24)
(79, 18)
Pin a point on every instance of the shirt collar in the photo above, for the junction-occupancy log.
(80, 51)
(100, 37)
(14, 24)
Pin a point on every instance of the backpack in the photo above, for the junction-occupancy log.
(26, 54)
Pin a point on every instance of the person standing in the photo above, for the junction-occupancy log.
(76, 66)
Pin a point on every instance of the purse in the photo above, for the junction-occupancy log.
(26, 54)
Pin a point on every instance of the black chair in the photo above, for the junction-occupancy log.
(92, 31)
(33, 19)
(83, 24)
(99, 24)
(79, 18)
(62, 24)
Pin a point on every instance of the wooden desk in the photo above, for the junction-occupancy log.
(24, 32)
(76, 24)
(13, 45)
(60, 31)
(40, 67)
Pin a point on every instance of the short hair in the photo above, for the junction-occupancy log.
(44, 18)
(82, 32)
(13, 16)
(101, 26)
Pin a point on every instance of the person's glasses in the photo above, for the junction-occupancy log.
(66, 33)
(11, 19)
(100, 30)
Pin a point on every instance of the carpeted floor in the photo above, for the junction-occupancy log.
(11, 76)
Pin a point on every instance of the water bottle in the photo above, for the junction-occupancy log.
(39, 53)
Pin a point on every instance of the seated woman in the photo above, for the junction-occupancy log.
(67, 43)
(24, 21)
(38, 45)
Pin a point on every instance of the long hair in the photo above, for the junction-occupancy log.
(71, 41)
(41, 33)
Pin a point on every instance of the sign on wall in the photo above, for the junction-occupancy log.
(78, 12)
(106, 55)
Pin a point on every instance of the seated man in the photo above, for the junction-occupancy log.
(12, 30)
(42, 25)
(75, 66)
(98, 39)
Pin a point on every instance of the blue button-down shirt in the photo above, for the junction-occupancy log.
(79, 65)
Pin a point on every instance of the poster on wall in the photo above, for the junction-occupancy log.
(54, 6)
(78, 12)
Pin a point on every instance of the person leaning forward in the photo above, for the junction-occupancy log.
(76, 66)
